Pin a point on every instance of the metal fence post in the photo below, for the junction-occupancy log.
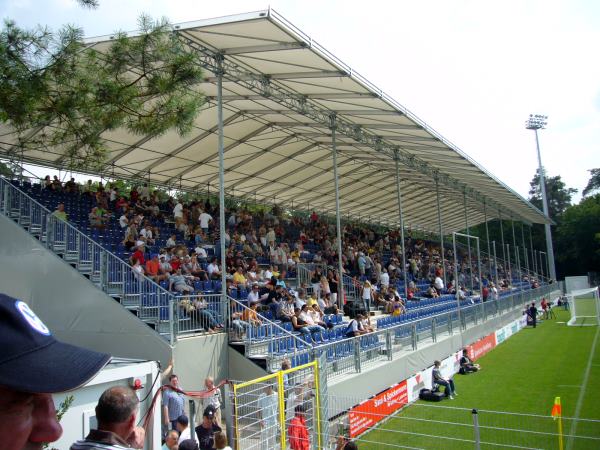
(172, 335)
(388, 344)
(357, 354)
(433, 330)
(476, 429)
(192, 422)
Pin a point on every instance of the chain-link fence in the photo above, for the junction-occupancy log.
(281, 410)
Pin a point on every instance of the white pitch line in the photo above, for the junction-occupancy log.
(570, 385)
(579, 404)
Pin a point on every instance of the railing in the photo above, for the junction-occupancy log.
(267, 338)
(165, 311)
(304, 273)
(353, 355)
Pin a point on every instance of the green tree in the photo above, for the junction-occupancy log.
(558, 194)
(578, 238)
(57, 91)
(594, 182)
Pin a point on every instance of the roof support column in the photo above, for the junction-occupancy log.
(504, 262)
(487, 238)
(533, 261)
(468, 241)
(338, 225)
(524, 248)
(439, 214)
(516, 249)
(401, 216)
(495, 264)
(221, 144)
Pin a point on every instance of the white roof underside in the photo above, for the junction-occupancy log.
(276, 153)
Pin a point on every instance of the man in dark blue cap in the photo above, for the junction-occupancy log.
(33, 365)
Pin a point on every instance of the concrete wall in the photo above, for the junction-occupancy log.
(73, 308)
(197, 357)
(242, 369)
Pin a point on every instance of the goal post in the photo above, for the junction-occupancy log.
(584, 305)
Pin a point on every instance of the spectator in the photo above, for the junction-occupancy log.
(285, 309)
(438, 284)
(250, 316)
(35, 365)
(239, 279)
(153, 269)
(532, 314)
(188, 444)
(97, 218)
(171, 440)
(299, 324)
(298, 436)
(366, 295)
(213, 270)
(355, 327)
(448, 383)
(206, 430)
(60, 213)
(221, 441)
(205, 220)
(466, 364)
(344, 444)
(267, 404)
(172, 401)
(116, 414)
(182, 424)
(178, 283)
(201, 315)
(214, 399)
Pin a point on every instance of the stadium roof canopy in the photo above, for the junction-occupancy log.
(282, 91)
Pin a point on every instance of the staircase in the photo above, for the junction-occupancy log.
(144, 298)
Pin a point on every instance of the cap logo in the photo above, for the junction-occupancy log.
(32, 319)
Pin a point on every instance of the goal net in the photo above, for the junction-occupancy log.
(584, 305)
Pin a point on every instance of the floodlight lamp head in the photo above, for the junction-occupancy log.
(536, 122)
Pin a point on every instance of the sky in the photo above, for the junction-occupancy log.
(471, 69)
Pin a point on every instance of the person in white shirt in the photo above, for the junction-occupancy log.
(201, 252)
(268, 273)
(384, 279)
(438, 284)
(123, 221)
(214, 400)
(205, 219)
(178, 211)
(213, 270)
(268, 412)
(182, 425)
(145, 192)
(253, 295)
(171, 242)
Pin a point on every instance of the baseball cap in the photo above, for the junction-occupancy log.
(209, 411)
(32, 360)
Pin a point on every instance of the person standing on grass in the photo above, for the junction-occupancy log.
(532, 313)
(448, 383)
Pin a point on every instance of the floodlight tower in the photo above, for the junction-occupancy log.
(538, 122)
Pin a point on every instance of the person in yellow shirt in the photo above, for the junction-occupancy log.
(239, 279)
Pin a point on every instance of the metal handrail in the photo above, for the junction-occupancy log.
(268, 330)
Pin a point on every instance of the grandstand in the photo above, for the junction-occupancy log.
(341, 172)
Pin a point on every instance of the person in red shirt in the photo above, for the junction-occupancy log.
(153, 269)
(138, 255)
(297, 430)
(175, 263)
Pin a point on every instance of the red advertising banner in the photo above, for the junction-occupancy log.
(482, 346)
(372, 411)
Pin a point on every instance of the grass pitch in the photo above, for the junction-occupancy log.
(522, 375)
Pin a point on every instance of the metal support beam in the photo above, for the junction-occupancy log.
(221, 179)
(401, 216)
(487, 238)
(533, 261)
(338, 226)
(441, 227)
(468, 240)
(504, 262)
(512, 222)
(524, 248)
